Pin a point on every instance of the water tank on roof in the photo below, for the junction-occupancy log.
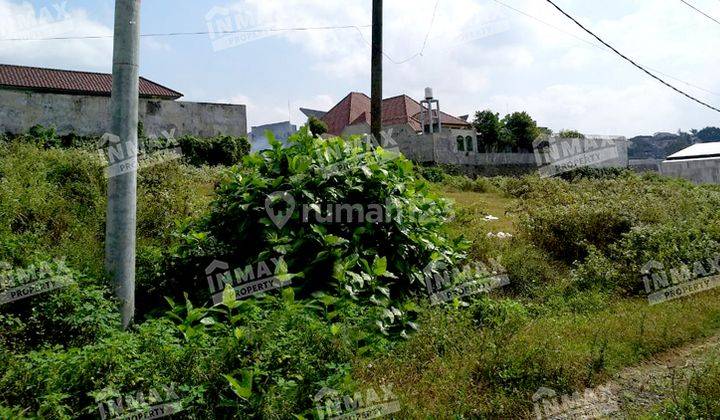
(428, 93)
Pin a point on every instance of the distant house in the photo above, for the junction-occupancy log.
(699, 163)
(352, 116)
(425, 134)
(79, 102)
(421, 131)
(282, 131)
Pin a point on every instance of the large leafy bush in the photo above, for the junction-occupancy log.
(378, 262)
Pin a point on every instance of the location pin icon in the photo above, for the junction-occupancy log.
(280, 218)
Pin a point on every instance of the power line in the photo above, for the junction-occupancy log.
(592, 44)
(417, 54)
(633, 62)
(701, 12)
(170, 34)
(432, 23)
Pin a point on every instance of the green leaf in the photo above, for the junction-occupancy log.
(335, 329)
(208, 321)
(274, 143)
(333, 240)
(229, 297)
(379, 266)
(241, 389)
(288, 295)
(281, 267)
(319, 229)
(239, 333)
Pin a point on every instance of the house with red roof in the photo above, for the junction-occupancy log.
(445, 138)
(79, 102)
(352, 115)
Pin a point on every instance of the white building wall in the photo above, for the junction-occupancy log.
(90, 115)
(698, 171)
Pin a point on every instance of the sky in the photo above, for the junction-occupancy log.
(503, 55)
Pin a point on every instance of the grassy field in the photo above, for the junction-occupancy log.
(558, 337)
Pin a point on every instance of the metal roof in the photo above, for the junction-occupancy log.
(698, 151)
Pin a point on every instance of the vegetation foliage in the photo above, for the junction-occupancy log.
(572, 315)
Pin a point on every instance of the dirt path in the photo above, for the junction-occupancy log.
(640, 388)
(636, 390)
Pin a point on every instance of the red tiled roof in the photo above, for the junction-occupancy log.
(73, 82)
(355, 109)
(346, 112)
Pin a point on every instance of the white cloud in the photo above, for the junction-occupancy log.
(599, 93)
(646, 107)
(25, 21)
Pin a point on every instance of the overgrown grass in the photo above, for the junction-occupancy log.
(698, 397)
(570, 318)
(551, 332)
(454, 366)
(52, 205)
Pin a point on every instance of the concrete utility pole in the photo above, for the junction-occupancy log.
(377, 69)
(122, 205)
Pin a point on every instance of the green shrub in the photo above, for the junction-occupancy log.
(37, 135)
(75, 313)
(431, 173)
(52, 204)
(496, 314)
(12, 413)
(282, 350)
(379, 262)
(567, 219)
(58, 383)
(529, 269)
(620, 267)
(593, 173)
(218, 150)
(465, 184)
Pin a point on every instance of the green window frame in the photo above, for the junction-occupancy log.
(460, 144)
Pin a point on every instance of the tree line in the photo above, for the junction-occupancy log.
(514, 133)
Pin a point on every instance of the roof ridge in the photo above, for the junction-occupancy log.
(339, 103)
(77, 81)
(62, 70)
(163, 86)
(396, 96)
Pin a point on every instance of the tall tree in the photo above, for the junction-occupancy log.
(487, 123)
(122, 205)
(522, 129)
